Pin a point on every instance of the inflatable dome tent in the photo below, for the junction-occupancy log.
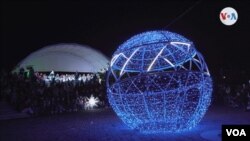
(65, 58)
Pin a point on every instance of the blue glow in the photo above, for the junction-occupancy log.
(158, 82)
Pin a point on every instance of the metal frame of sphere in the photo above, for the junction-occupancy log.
(158, 82)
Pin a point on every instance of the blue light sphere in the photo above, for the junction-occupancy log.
(158, 82)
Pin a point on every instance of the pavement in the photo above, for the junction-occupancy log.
(7, 112)
(104, 125)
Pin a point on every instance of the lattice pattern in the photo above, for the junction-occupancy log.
(158, 82)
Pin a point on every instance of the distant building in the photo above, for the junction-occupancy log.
(65, 58)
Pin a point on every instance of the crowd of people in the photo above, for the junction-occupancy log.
(38, 96)
(67, 77)
(54, 93)
(232, 88)
(234, 96)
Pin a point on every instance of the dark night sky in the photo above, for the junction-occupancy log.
(27, 26)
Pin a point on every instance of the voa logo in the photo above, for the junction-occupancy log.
(228, 16)
(236, 132)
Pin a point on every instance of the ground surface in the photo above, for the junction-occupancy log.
(105, 125)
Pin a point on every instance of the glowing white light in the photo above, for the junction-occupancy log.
(196, 60)
(180, 43)
(150, 66)
(183, 67)
(91, 102)
(125, 64)
(169, 62)
(116, 57)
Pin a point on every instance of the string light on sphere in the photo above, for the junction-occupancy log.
(158, 82)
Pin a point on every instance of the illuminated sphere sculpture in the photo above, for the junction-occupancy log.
(159, 82)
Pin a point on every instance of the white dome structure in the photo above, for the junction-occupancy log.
(65, 58)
